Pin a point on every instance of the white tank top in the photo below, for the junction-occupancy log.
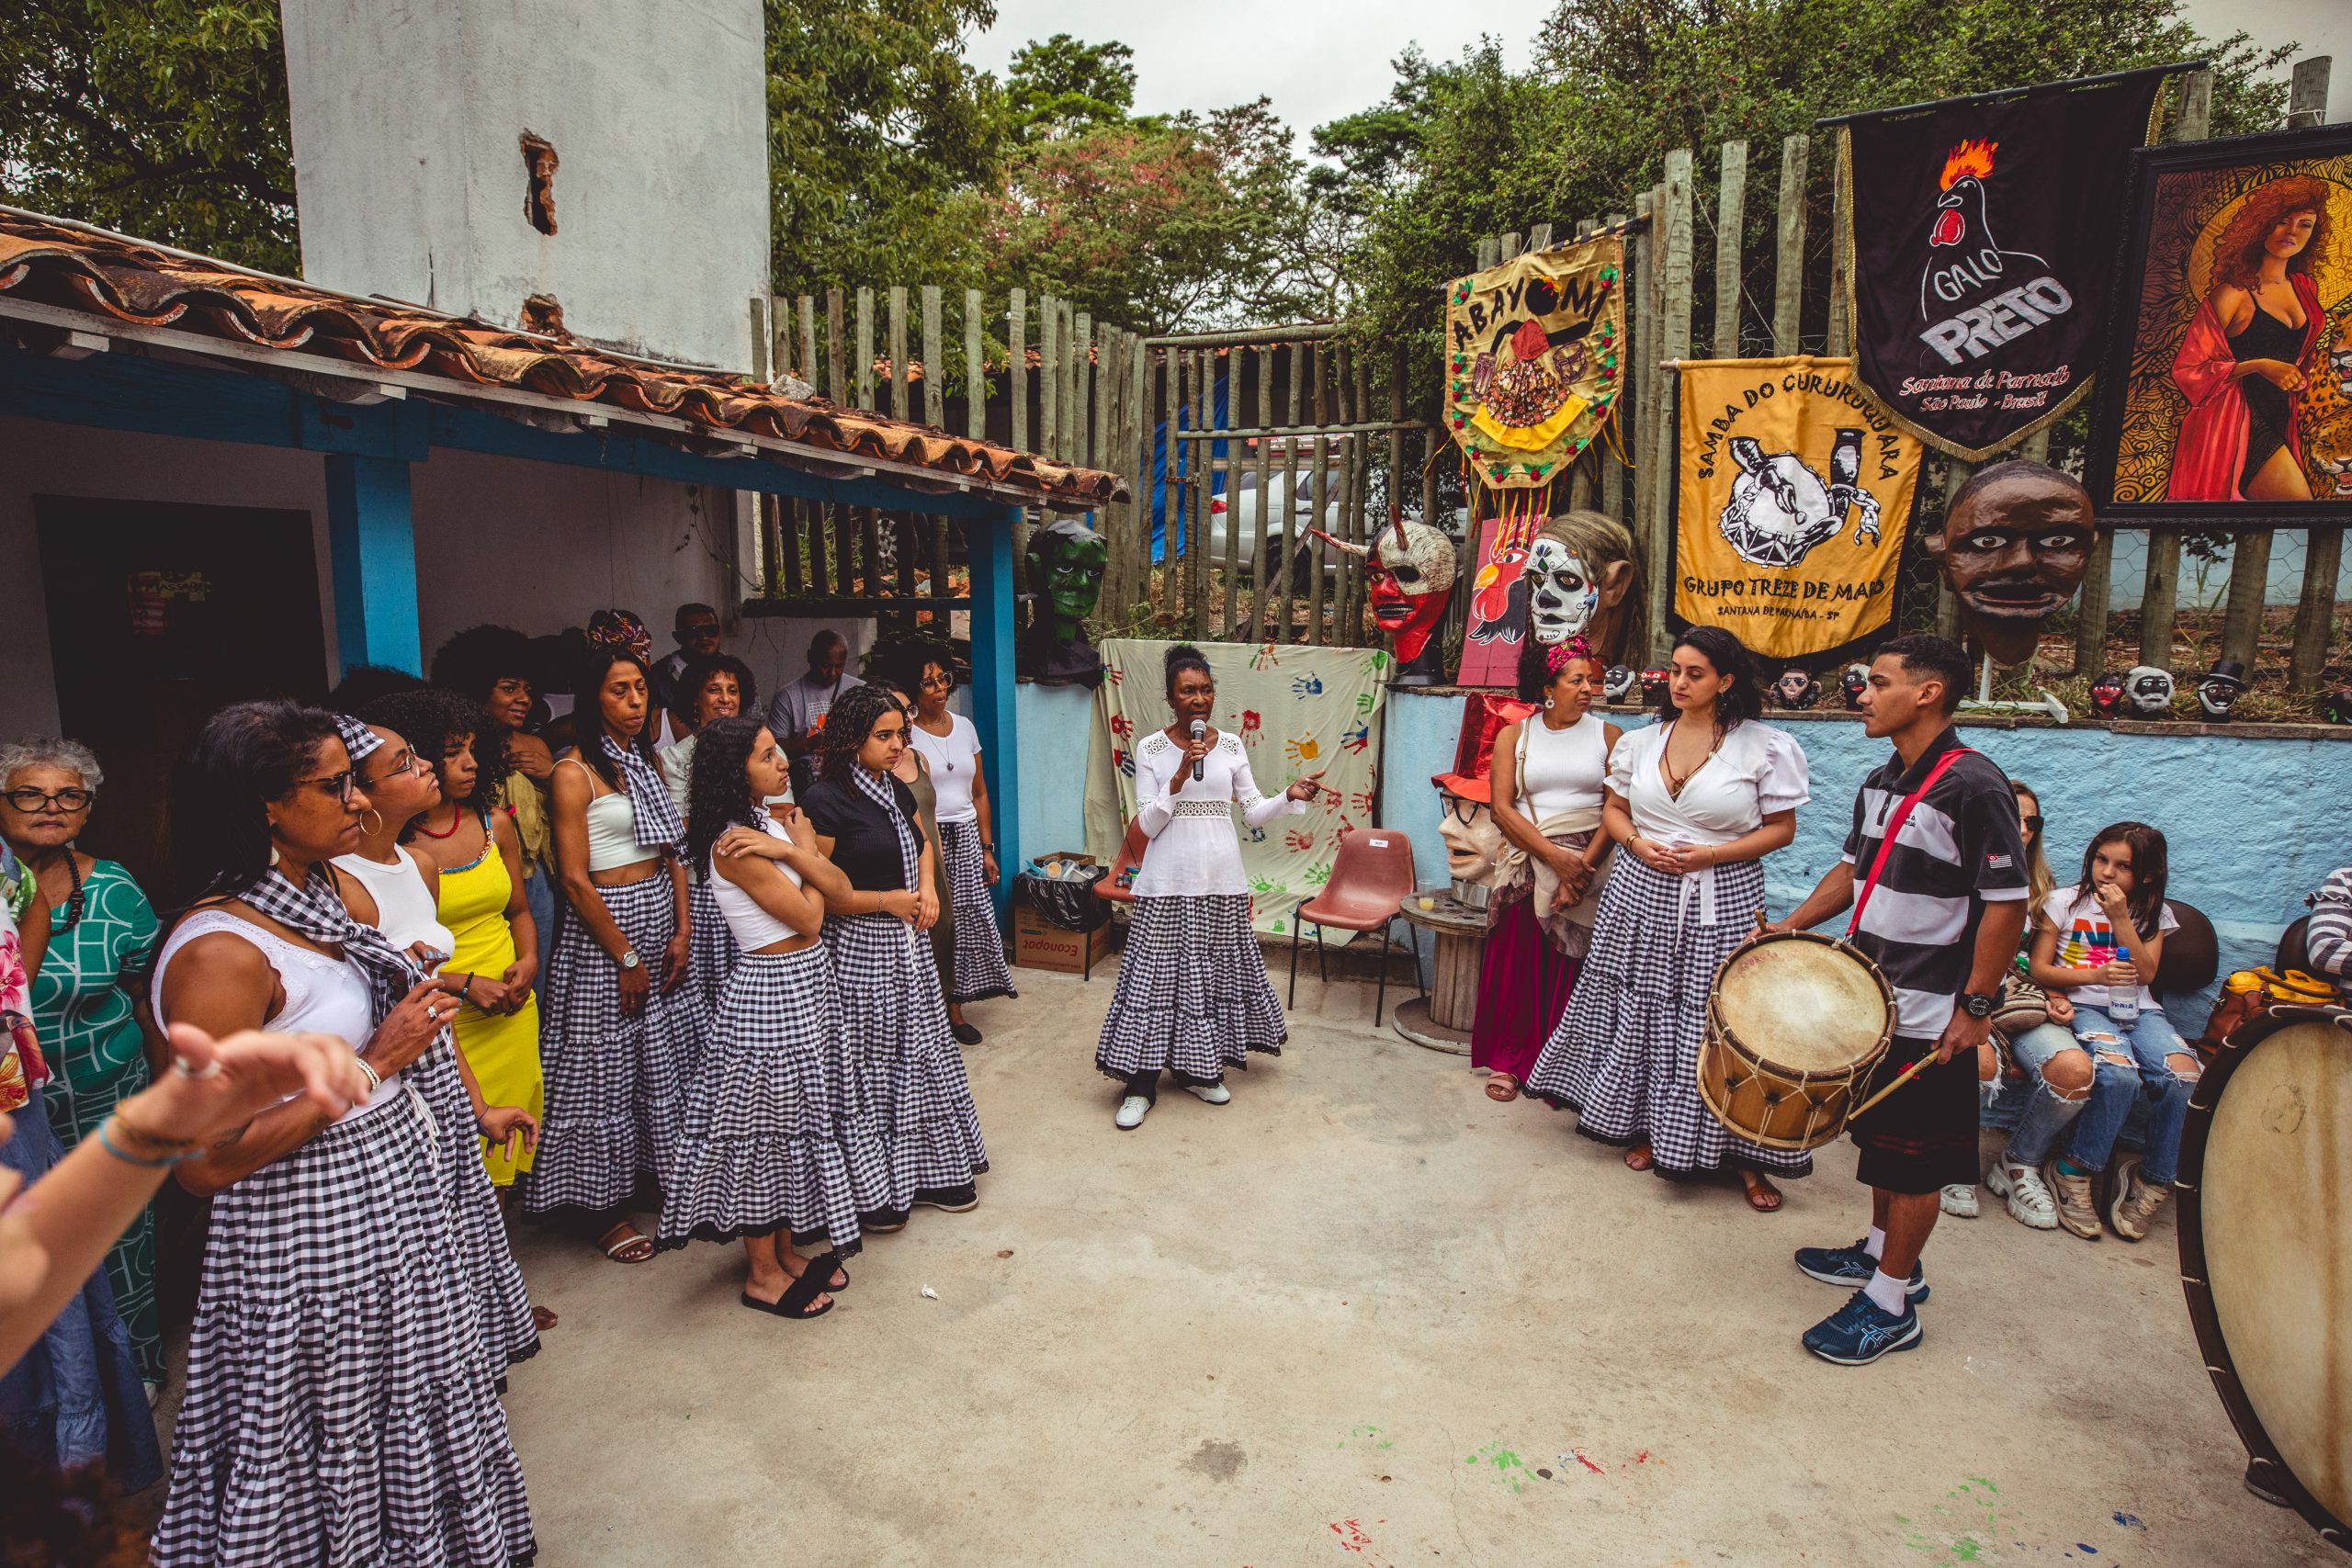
(404, 910)
(611, 826)
(1562, 770)
(330, 996)
(754, 927)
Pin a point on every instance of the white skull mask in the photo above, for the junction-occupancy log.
(1562, 595)
(2150, 691)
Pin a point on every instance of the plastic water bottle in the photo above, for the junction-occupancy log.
(2123, 1001)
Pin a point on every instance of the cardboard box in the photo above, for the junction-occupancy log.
(1036, 945)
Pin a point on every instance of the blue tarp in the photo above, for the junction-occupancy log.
(1188, 452)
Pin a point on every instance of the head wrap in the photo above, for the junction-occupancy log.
(1560, 655)
(358, 739)
(621, 632)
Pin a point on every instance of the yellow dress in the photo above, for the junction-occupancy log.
(502, 1049)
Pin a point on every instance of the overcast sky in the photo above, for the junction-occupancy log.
(1316, 59)
(1321, 58)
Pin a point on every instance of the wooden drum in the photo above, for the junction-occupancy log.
(1796, 1023)
(2266, 1251)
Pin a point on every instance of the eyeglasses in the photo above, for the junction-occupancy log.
(409, 762)
(337, 785)
(30, 800)
(938, 682)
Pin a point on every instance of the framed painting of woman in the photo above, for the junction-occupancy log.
(2226, 395)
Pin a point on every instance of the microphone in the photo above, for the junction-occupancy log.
(1200, 730)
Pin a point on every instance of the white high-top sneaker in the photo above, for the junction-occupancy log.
(1132, 1112)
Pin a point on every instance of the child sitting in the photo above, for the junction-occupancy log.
(2101, 944)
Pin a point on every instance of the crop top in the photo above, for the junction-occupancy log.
(865, 846)
(752, 927)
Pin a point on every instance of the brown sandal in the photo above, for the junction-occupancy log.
(1762, 1196)
(542, 1318)
(1501, 1087)
(1639, 1158)
(626, 1244)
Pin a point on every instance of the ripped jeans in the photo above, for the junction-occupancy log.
(2128, 1062)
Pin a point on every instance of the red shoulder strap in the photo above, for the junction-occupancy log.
(1900, 815)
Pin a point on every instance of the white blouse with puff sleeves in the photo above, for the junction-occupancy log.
(1758, 771)
(1194, 851)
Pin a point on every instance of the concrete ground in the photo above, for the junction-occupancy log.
(1365, 1315)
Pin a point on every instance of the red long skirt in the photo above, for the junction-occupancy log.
(1523, 984)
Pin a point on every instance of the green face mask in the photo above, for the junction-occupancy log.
(1066, 568)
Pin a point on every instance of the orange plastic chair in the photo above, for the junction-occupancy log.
(1130, 859)
(1370, 881)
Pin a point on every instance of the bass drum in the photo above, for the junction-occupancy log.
(2266, 1251)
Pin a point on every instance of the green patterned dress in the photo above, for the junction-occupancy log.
(83, 1011)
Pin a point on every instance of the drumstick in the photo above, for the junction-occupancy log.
(1904, 1077)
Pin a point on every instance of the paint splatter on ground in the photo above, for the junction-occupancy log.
(1357, 1542)
(1961, 1528)
(1507, 1467)
(1578, 1456)
(1365, 1437)
(2129, 1521)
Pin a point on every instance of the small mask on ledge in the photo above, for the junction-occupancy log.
(2106, 694)
(1853, 683)
(1797, 689)
(2149, 691)
(1617, 685)
(1653, 684)
(2218, 690)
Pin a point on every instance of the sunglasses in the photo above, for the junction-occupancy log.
(2032, 824)
(30, 800)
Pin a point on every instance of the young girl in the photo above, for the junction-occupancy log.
(2101, 943)
(2053, 1061)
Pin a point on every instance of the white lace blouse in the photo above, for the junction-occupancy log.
(1194, 851)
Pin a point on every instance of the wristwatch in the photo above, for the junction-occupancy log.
(1976, 1004)
(630, 960)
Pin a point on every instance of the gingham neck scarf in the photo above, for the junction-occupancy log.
(315, 909)
(654, 814)
(877, 789)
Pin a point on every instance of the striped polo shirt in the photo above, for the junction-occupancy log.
(1960, 849)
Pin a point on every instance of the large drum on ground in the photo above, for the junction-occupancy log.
(2266, 1251)
(1795, 1024)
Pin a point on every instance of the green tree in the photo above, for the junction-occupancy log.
(163, 119)
(1064, 85)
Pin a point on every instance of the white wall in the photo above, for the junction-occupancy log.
(407, 117)
(532, 545)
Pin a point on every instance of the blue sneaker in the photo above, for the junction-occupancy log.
(1860, 1332)
(1852, 1266)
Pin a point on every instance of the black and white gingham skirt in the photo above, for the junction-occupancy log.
(710, 946)
(779, 1131)
(1625, 1053)
(615, 1086)
(1192, 995)
(981, 971)
(507, 1330)
(896, 1024)
(340, 1408)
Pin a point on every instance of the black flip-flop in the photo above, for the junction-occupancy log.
(785, 1306)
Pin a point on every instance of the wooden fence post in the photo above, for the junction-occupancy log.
(1948, 603)
(836, 350)
(901, 388)
(866, 350)
(1674, 344)
(1612, 472)
(1138, 454)
(763, 308)
(1318, 472)
(1016, 365)
(1171, 530)
(808, 339)
(1282, 630)
(1081, 399)
(1788, 266)
(1731, 215)
(2322, 547)
(1232, 552)
(2158, 598)
(935, 359)
(1839, 341)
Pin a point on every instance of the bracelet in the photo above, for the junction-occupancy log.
(374, 1078)
(106, 1141)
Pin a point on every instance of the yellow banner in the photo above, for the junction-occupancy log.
(1532, 355)
(1792, 495)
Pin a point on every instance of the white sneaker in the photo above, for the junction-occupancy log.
(1131, 1112)
(1960, 1200)
(2030, 1203)
(1212, 1093)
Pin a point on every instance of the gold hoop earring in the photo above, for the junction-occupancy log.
(378, 815)
(273, 854)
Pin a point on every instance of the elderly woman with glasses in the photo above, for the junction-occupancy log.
(90, 1009)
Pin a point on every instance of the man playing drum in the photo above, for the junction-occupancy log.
(1942, 909)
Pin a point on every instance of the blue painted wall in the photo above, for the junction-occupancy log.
(1055, 724)
(2253, 825)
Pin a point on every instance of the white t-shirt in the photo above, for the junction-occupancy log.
(2086, 938)
(954, 759)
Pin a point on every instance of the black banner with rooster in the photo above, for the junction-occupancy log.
(1979, 250)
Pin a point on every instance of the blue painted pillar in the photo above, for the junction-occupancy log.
(992, 688)
(373, 547)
